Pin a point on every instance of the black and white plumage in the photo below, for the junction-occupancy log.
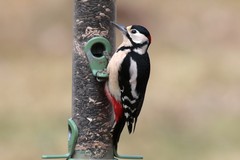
(129, 70)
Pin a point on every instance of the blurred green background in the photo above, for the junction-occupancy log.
(192, 106)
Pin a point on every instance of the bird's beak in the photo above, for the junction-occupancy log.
(120, 27)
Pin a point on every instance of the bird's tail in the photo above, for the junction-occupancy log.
(119, 119)
(117, 130)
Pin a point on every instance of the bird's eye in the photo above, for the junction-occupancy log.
(133, 31)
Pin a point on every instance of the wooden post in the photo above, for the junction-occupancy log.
(90, 108)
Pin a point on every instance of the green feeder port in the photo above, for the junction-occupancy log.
(97, 50)
(73, 131)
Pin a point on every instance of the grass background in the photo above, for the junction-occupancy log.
(192, 106)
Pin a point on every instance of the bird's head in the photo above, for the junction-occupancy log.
(134, 35)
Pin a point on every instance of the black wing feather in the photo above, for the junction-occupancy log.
(131, 105)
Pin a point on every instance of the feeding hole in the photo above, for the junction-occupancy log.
(97, 49)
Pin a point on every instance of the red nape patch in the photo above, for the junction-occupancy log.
(150, 39)
(117, 106)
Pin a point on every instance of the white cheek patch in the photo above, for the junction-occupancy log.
(138, 38)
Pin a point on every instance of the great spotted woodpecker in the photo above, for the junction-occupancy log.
(129, 70)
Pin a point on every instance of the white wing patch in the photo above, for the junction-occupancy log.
(125, 106)
(133, 77)
(126, 114)
(129, 100)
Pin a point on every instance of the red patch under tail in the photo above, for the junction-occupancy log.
(117, 106)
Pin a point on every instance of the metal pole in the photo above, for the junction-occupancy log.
(90, 109)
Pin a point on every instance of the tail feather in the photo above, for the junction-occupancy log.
(129, 126)
(118, 117)
(117, 132)
(135, 123)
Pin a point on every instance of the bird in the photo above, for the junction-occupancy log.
(129, 71)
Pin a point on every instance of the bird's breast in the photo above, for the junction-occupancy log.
(113, 69)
